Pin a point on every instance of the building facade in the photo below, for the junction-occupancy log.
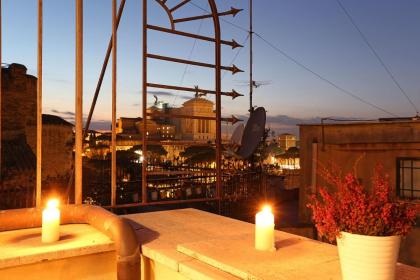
(360, 147)
(18, 111)
(287, 141)
(175, 134)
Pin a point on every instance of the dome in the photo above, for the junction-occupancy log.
(198, 101)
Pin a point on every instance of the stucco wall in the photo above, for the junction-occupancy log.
(344, 144)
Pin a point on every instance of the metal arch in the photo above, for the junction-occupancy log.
(217, 66)
(218, 89)
(168, 11)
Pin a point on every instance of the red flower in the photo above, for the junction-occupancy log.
(349, 207)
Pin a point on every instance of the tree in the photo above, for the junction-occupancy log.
(199, 154)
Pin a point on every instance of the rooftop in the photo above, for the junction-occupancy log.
(54, 120)
(176, 244)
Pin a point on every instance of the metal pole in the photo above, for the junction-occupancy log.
(251, 81)
(218, 89)
(39, 111)
(1, 104)
(97, 90)
(79, 103)
(144, 89)
(102, 74)
(114, 106)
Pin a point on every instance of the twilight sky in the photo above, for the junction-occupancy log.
(316, 33)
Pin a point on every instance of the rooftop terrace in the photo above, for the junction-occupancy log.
(177, 244)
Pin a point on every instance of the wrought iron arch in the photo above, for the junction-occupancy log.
(217, 91)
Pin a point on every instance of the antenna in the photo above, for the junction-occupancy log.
(251, 83)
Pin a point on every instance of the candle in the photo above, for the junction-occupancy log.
(51, 222)
(264, 230)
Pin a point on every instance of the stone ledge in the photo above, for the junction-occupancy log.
(22, 247)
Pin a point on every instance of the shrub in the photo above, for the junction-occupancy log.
(349, 207)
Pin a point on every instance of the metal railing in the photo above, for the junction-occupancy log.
(214, 185)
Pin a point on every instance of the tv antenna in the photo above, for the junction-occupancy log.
(252, 83)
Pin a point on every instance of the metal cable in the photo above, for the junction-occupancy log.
(347, 92)
(236, 55)
(378, 57)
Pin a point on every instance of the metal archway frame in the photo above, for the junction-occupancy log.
(214, 15)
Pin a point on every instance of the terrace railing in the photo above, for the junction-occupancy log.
(212, 182)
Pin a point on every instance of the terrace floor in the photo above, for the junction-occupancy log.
(177, 244)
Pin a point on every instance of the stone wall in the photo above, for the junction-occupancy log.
(18, 106)
(57, 151)
(18, 111)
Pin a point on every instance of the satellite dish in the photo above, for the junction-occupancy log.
(252, 135)
(236, 138)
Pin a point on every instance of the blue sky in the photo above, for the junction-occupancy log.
(316, 33)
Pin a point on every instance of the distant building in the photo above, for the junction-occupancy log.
(128, 125)
(57, 147)
(174, 133)
(393, 144)
(197, 129)
(18, 106)
(18, 110)
(133, 128)
(287, 141)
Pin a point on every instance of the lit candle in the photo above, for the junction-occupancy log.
(51, 222)
(264, 230)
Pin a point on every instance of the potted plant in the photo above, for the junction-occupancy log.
(367, 224)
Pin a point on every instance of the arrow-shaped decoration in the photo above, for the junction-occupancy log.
(235, 44)
(232, 119)
(232, 93)
(233, 11)
(231, 43)
(235, 94)
(232, 68)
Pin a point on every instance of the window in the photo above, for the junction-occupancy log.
(408, 178)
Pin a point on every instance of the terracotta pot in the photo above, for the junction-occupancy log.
(365, 257)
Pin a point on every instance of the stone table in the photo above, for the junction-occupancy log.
(188, 243)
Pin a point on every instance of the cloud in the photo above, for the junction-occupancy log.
(66, 113)
(100, 125)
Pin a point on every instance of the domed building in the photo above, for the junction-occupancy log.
(197, 129)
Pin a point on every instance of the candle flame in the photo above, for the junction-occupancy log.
(266, 208)
(52, 203)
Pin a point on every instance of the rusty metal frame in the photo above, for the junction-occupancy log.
(39, 110)
(79, 104)
(231, 43)
(217, 66)
(1, 96)
(232, 68)
(114, 106)
(232, 93)
(80, 132)
(98, 89)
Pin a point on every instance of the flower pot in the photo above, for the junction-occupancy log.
(365, 257)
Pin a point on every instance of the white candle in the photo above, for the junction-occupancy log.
(264, 230)
(51, 222)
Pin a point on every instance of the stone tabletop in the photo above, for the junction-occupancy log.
(197, 244)
(20, 247)
(194, 241)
